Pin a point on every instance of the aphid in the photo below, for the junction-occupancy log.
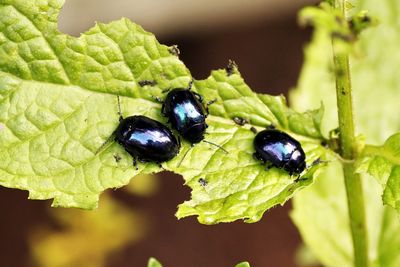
(145, 139)
(174, 50)
(231, 67)
(253, 129)
(278, 149)
(240, 121)
(187, 114)
(203, 182)
(147, 82)
(117, 157)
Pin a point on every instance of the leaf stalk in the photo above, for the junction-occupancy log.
(348, 150)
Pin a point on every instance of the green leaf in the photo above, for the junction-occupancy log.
(383, 163)
(246, 189)
(153, 263)
(58, 101)
(243, 264)
(389, 248)
(58, 105)
(320, 211)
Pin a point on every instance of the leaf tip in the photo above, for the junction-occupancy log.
(243, 264)
(153, 262)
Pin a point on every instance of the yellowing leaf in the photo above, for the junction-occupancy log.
(87, 238)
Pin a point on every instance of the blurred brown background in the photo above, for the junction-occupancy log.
(263, 38)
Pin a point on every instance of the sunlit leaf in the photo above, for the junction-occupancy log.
(383, 163)
(58, 106)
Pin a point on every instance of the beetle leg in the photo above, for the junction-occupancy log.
(285, 166)
(190, 85)
(269, 166)
(135, 163)
(198, 96)
(160, 166)
(298, 179)
(210, 103)
(163, 110)
(270, 127)
(257, 157)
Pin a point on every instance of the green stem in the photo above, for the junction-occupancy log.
(354, 190)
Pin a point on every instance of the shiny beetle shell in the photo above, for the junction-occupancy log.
(186, 113)
(280, 150)
(146, 139)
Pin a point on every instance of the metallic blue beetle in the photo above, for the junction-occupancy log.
(186, 113)
(280, 150)
(146, 139)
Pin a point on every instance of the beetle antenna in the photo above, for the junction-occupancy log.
(190, 85)
(161, 166)
(220, 147)
(119, 109)
(109, 139)
(184, 156)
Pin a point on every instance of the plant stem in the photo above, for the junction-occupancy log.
(354, 190)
